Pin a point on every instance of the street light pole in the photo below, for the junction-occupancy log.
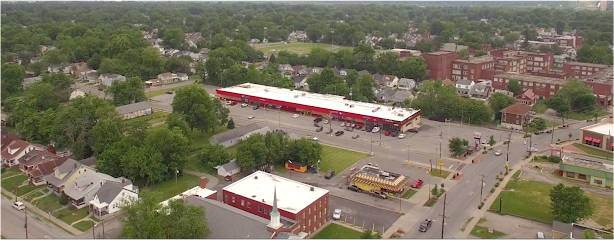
(279, 115)
(318, 171)
(481, 189)
(440, 139)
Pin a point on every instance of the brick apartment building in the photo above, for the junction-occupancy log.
(537, 61)
(471, 69)
(574, 41)
(511, 64)
(543, 87)
(601, 83)
(439, 64)
(295, 201)
(580, 70)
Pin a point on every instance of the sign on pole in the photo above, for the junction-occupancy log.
(440, 163)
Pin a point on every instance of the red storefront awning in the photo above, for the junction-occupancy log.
(596, 140)
(588, 139)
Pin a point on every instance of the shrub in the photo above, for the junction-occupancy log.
(496, 184)
(554, 159)
(435, 191)
(492, 190)
(63, 200)
(442, 185)
(231, 124)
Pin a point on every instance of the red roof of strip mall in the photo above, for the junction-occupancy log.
(322, 103)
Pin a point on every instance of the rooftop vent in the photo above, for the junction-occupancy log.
(295, 96)
(401, 115)
(352, 105)
(263, 200)
(254, 196)
(266, 90)
(303, 94)
(311, 189)
(255, 177)
(347, 104)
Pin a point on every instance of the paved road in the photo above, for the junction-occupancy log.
(94, 90)
(13, 224)
(361, 214)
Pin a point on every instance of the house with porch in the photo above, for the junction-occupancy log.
(36, 175)
(229, 169)
(528, 97)
(481, 90)
(463, 87)
(107, 79)
(32, 158)
(407, 84)
(84, 188)
(65, 175)
(111, 196)
(15, 150)
(516, 116)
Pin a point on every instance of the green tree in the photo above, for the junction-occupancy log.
(214, 155)
(252, 152)
(589, 234)
(476, 111)
(412, 67)
(231, 124)
(55, 56)
(570, 204)
(176, 121)
(539, 124)
(104, 134)
(514, 87)
(41, 97)
(173, 38)
(305, 151)
(195, 104)
(457, 146)
(387, 63)
(63, 199)
(464, 54)
(580, 97)
(61, 84)
(492, 141)
(12, 79)
(499, 101)
(126, 92)
(141, 219)
(560, 104)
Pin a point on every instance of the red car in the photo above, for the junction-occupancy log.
(358, 127)
(417, 183)
(387, 133)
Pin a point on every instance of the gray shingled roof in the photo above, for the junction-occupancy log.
(88, 182)
(91, 161)
(109, 191)
(463, 82)
(130, 108)
(224, 220)
(69, 167)
(235, 133)
(232, 165)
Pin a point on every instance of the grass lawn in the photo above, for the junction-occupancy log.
(232, 151)
(199, 139)
(151, 94)
(517, 174)
(539, 107)
(9, 184)
(28, 188)
(336, 231)
(549, 125)
(33, 195)
(584, 116)
(49, 203)
(155, 117)
(170, 189)
(483, 233)
(603, 209)
(409, 193)
(71, 216)
(338, 159)
(10, 172)
(297, 47)
(83, 226)
(529, 199)
(594, 152)
(439, 173)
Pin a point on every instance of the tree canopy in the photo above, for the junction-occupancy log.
(570, 204)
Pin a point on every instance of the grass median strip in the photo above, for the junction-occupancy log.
(409, 193)
(10, 183)
(83, 225)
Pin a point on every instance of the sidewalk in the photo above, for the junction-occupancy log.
(477, 215)
(68, 228)
(407, 221)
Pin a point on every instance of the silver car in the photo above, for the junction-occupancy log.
(337, 214)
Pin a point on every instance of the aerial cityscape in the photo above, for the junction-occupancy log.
(295, 120)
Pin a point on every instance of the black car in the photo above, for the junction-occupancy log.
(395, 134)
(280, 131)
(312, 169)
(317, 120)
(414, 130)
(354, 188)
(319, 129)
(339, 133)
(424, 226)
(256, 107)
(330, 174)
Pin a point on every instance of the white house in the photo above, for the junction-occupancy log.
(229, 169)
(406, 84)
(390, 81)
(76, 93)
(463, 87)
(107, 79)
(111, 195)
(15, 150)
(182, 77)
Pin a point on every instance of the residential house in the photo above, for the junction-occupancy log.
(229, 169)
(448, 82)
(528, 97)
(111, 196)
(65, 175)
(481, 90)
(37, 174)
(195, 56)
(317, 70)
(299, 69)
(182, 77)
(232, 137)
(15, 150)
(167, 78)
(385, 94)
(400, 96)
(35, 59)
(463, 87)
(286, 69)
(452, 47)
(32, 158)
(108, 78)
(297, 81)
(304, 71)
(406, 84)
(8, 138)
(55, 68)
(192, 38)
(516, 116)
(389, 81)
(76, 93)
(79, 70)
(91, 76)
(134, 110)
(27, 82)
(84, 188)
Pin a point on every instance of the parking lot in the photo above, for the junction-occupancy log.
(362, 215)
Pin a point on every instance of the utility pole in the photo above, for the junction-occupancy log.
(443, 216)
(430, 160)
(26, 225)
(408, 147)
(93, 230)
(500, 203)
(552, 135)
(509, 141)
(440, 139)
(103, 235)
(481, 189)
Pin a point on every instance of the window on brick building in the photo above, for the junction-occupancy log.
(597, 181)
(259, 209)
(582, 176)
(248, 205)
(233, 199)
(242, 203)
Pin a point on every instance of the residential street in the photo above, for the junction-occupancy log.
(13, 224)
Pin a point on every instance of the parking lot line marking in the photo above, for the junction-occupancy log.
(470, 193)
(450, 166)
(467, 181)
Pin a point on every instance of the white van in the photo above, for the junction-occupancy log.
(540, 235)
(19, 206)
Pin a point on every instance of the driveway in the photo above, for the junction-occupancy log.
(362, 215)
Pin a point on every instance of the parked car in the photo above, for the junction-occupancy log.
(343, 124)
(228, 102)
(402, 135)
(355, 136)
(417, 183)
(498, 152)
(325, 121)
(311, 137)
(339, 133)
(19, 206)
(330, 174)
(395, 134)
(532, 149)
(358, 127)
(256, 107)
(349, 129)
(378, 194)
(414, 130)
(233, 103)
(319, 129)
(354, 188)
(169, 92)
(317, 120)
(425, 225)
(316, 125)
(337, 214)
(387, 133)
(296, 115)
(251, 117)
(244, 105)
(375, 129)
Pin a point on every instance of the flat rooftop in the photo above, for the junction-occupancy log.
(603, 128)
(588, 64)
(195, 191)
(439, 53)
(481, 59)
(531, 78)
(376, 176)
(292, 196)
(603, 76)
(332, 102)
(588, 164)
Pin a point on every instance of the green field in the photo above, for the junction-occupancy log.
(170, 188)
(297, 47)
(151, 94)
(10, 183)
(338, 159)
(8, 172)
(49, 203)
(336, 231)
(28, 188)
(71, 216)
(594, 152)
(585, 116)
(83, 225)
(482, 232)
(409, 193)
(33, 195)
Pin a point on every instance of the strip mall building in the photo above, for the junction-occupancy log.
(325, 105)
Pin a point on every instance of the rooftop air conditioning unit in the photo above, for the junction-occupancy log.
(295, 96)
(266, 90)
(347, 104)
(352, 105)
(303, 94)
(401, 115)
